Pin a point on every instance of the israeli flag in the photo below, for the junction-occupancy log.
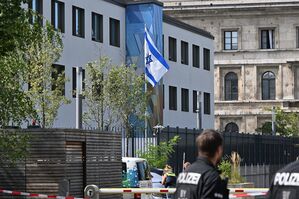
(155, 64)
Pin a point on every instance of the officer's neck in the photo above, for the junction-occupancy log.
(213, 160)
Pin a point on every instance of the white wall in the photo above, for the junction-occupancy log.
(79, 51)
(189, 77)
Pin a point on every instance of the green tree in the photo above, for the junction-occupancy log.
(125, 96)
(16, 34)
(13, 147)
(15, 106)
(287, 123)
(15, 29)
(158, 155)
(46, 82)
(97, 111)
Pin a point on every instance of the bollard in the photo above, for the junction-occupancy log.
(91, 192)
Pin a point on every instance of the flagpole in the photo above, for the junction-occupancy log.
(145, 92)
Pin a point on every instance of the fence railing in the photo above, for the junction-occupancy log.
(264, 154)
(132, 146)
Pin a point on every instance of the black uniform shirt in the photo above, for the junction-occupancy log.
(201, 181)
(285, 184)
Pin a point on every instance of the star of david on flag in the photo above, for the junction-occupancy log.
(155, 64)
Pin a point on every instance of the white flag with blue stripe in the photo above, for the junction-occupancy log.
(155, 64)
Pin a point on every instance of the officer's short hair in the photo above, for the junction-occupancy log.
(208, 142)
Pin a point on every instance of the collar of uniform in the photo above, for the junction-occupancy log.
(206, 160)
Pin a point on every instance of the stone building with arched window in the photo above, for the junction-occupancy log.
(256, 57)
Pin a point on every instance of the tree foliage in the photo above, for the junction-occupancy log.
(13, 147)
(15, 106)
(46, 83)
(97, 110)
(124, 89)
(286, 124)
(15, 28)
(158, 155)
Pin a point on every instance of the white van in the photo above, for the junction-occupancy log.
(136, 174)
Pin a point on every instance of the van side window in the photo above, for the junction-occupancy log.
(141, 171)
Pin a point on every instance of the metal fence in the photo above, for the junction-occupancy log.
(262, 155)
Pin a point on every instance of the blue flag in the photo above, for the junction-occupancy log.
(155, 64)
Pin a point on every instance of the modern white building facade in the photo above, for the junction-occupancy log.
(96, 28)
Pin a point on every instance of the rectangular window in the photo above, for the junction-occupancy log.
(58, 72)
(184, 53)
(172, 49)
(97, 27)
(74, 77)
(172, 98)
(206, 59)
(185, 99)
(114, 32)
(195, 55)
(37, 7)
(78, 22)
(57, 17)
(230, 40)
(194, 101)
(207, 103)
(267, 39)
(297, 37)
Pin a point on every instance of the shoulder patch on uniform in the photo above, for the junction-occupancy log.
(189, 178)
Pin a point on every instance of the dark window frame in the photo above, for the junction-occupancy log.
(97, 28)
(206, 59)
(270, 83)
(60, 15)
(74, 81)
(114, 39)
(38, 10)
(194, 97)
(231, 92)
(172, 98)
(264, 35)
(185, 99)
(195, 56)
(232, 45)
(207, 103)
(172, 49)
(81, 22)
(184, 52)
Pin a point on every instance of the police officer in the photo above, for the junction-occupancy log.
(202, 180)
(285, 184)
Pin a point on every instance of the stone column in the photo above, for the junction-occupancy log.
(217, 85)
(242, 86)
(288, 81)
(279, 83)
(254, 83)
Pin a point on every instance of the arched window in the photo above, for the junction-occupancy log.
(232, 128)
(231, 86)
(268, 86)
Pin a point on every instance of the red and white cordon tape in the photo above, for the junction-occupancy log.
(241, 195)
(35, 195)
